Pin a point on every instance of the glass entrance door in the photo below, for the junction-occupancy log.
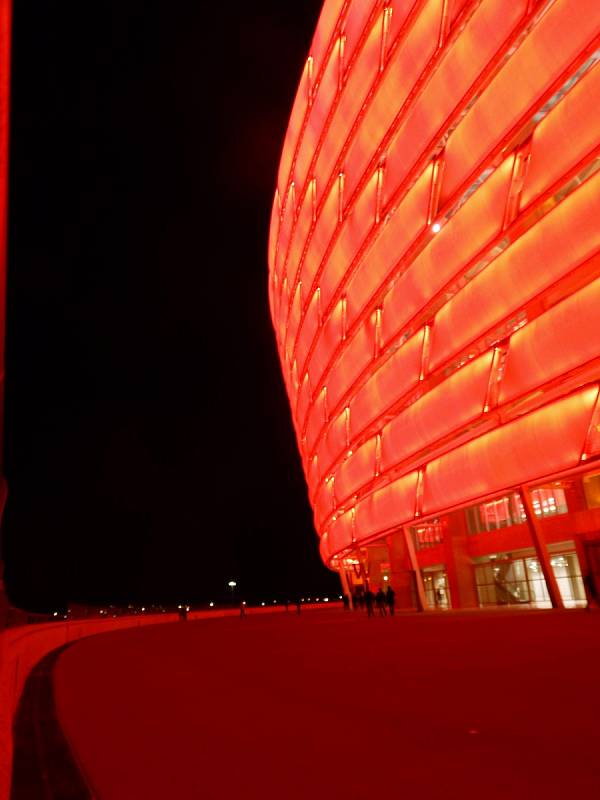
(436, 588)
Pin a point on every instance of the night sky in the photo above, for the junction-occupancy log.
(149, 449)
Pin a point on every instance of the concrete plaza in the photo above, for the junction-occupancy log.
(332, 704)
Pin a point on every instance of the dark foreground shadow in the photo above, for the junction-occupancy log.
(43, 765)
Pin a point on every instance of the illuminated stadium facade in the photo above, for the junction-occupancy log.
(434, 283)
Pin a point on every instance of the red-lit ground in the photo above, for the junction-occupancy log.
(335, 705)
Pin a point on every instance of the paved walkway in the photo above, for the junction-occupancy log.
(334, 705)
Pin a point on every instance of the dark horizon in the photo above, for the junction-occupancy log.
(149, 450)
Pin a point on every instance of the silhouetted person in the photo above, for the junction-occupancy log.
(369, 598)
(439, 593)
(242, 610)
(360, 599)
(390, 599)
(380, 600)
(590, 586)
(298, 606)
(346, 602)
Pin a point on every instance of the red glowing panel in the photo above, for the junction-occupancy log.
(323, 230)
(553, 44)
(454, 9)
(294, 319)
(327, 339)
(316, 420)
(353, 360)
(570, 332)
(327, 28)
(543, 442)
(293, 132)
(399, 14)
(461, 65)
(388, 384)
(334, 443)
(304, 399)
(351, 101)
(559, 242)
(352, 235)
(355, 28)
(356, 471)
(285, 230)
(324, 502)
(453, 403)
(274, 230)
(450, 249)
(437, 238)
(317, 116)
(387, 508)
(309, 330)
(565, 136)
(324, 550)
(300, 233)
(313, 475)
(340, 533)
(396, 235)
(401, 73)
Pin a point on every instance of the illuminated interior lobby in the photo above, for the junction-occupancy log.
(434, 285)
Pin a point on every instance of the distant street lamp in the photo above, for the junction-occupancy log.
(232, 585)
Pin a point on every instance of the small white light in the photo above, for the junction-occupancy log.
(144, 608)
(436, 227)
(211, 605)
(385, 578)
(341, 598)
(262, 604)
(325, 599)
(56, 613)
(232, 584)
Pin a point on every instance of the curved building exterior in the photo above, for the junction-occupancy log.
(434, 284)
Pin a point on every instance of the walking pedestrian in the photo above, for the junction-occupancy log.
(590, 589)
(390, 598)
(380, 600)
(360, 599)
(369, 597)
